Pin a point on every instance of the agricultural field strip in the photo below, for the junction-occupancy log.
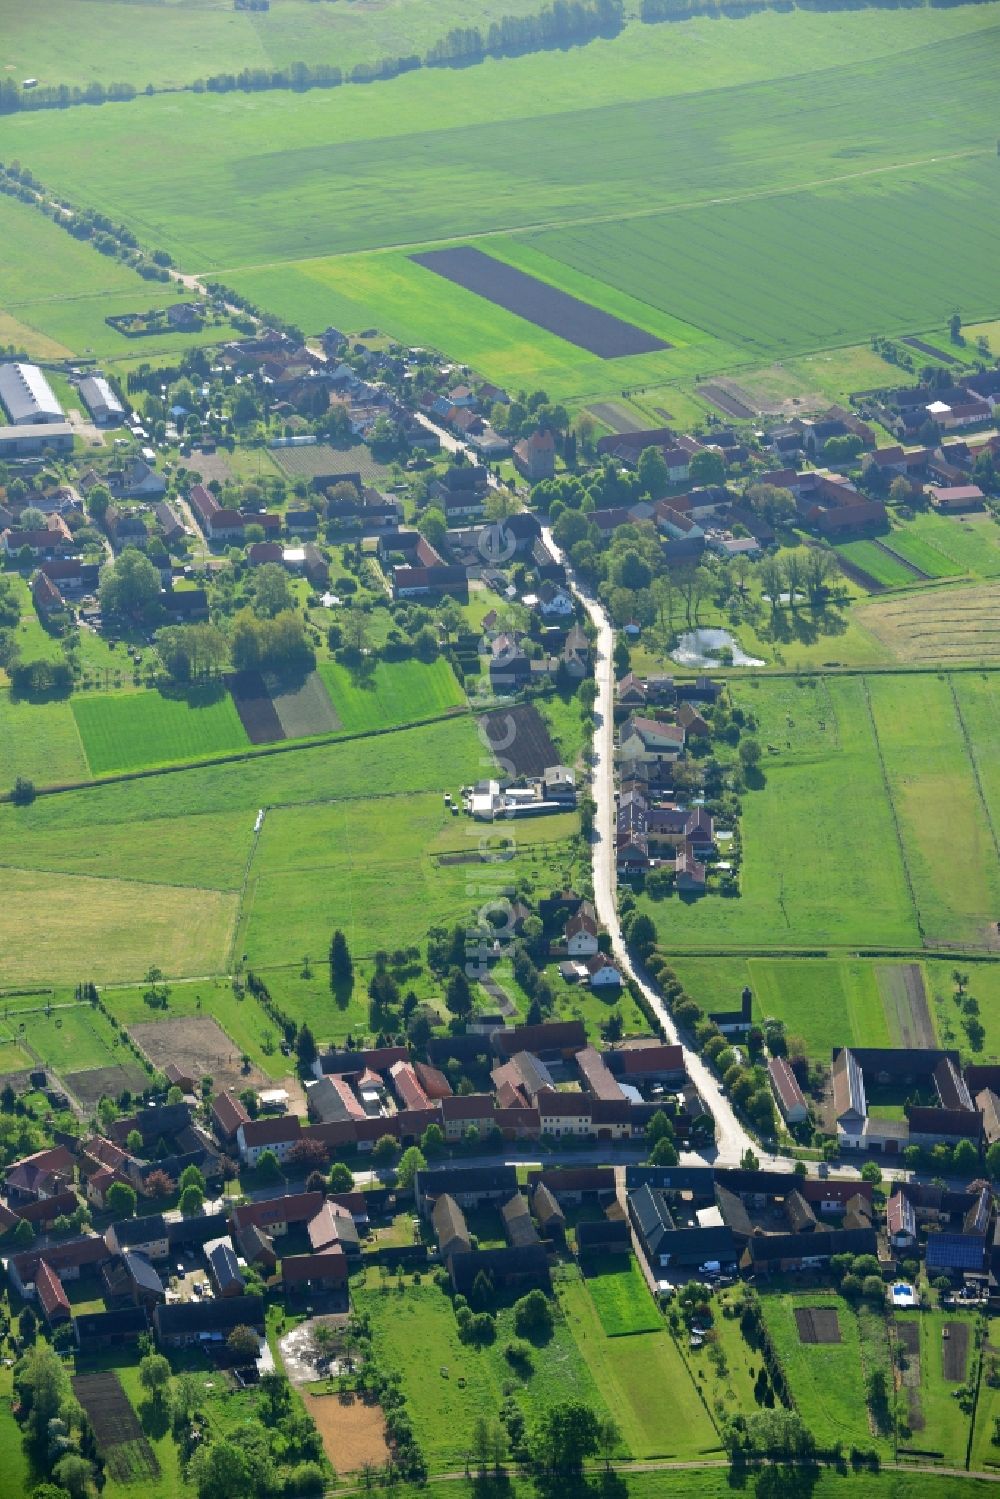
(522, 230)
(494, 136)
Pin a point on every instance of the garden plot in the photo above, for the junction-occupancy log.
(817, 1324)
(90, 1086)
(120, 1439)
(520, 741)
(303, 705)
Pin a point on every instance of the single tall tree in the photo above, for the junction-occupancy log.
(341, 967)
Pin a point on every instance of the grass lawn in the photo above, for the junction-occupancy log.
(826, 1379)
(339, 863)
(922, 553)
(877, 563)
(930, 626)
(398, 692)
(972, 542)
(448, 1384)
(70, 1039)
(729, 1387)
(945, 1426)
(938, 807)
(13, 1459)
(621, 1298)
(73, 927)
(39, 741)
(977, 702)
(804, 883)
(133, 730)
(562, 717)
(645, 1382)
(984, 987)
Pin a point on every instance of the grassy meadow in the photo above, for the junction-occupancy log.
(397, 692)
(635, 1373)
(629, 197)
(134, 730)
(39, 741)
(826, 1379)
(70, 1038)
(105, 881)
(894, 751)
(621, 1299)
(451, 1384)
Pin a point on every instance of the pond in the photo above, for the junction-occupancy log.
(702, 648)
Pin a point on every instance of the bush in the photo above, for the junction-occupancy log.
(533, 1315)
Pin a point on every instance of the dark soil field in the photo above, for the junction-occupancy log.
(817, 1324)
(303, 705)
(924, 348)
(726, 402)
(105, 1082)
(199, 1046)
(258, 714)
(955, 1351)
(539, 303)
(119, 1436)
(520, 741)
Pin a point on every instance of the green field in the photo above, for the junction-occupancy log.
(632, 164)
(397, 692)
(834, 237)
(70, 1038)
(62, 289)
(643, 1379)
(344, 863)
(134, 730)
(449, 1384)
(826, 1379)
(945, 1427)
(39, 741)
(892, 750)
(887, 570)
(241, 1018)
(104, 881)
(919, 551)
(622, 1300)
(938, 807)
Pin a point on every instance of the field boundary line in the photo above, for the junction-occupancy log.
(117, 879)
(242, 757)
(973, 761)
(892, 808)
(518, 231)
(241, 894)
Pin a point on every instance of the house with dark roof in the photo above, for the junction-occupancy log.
(142, 1282)
(551, 1040)
(517, 1222)
(148, 1235)
(549, 1215)
(785, 1086)
(208, 1321)
(328, 1271)
(228, 1113)
(450, 1227)
(602, 1236)
(508, 1269)
(111, 1329)
(223, 1267)
(470, 1186)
